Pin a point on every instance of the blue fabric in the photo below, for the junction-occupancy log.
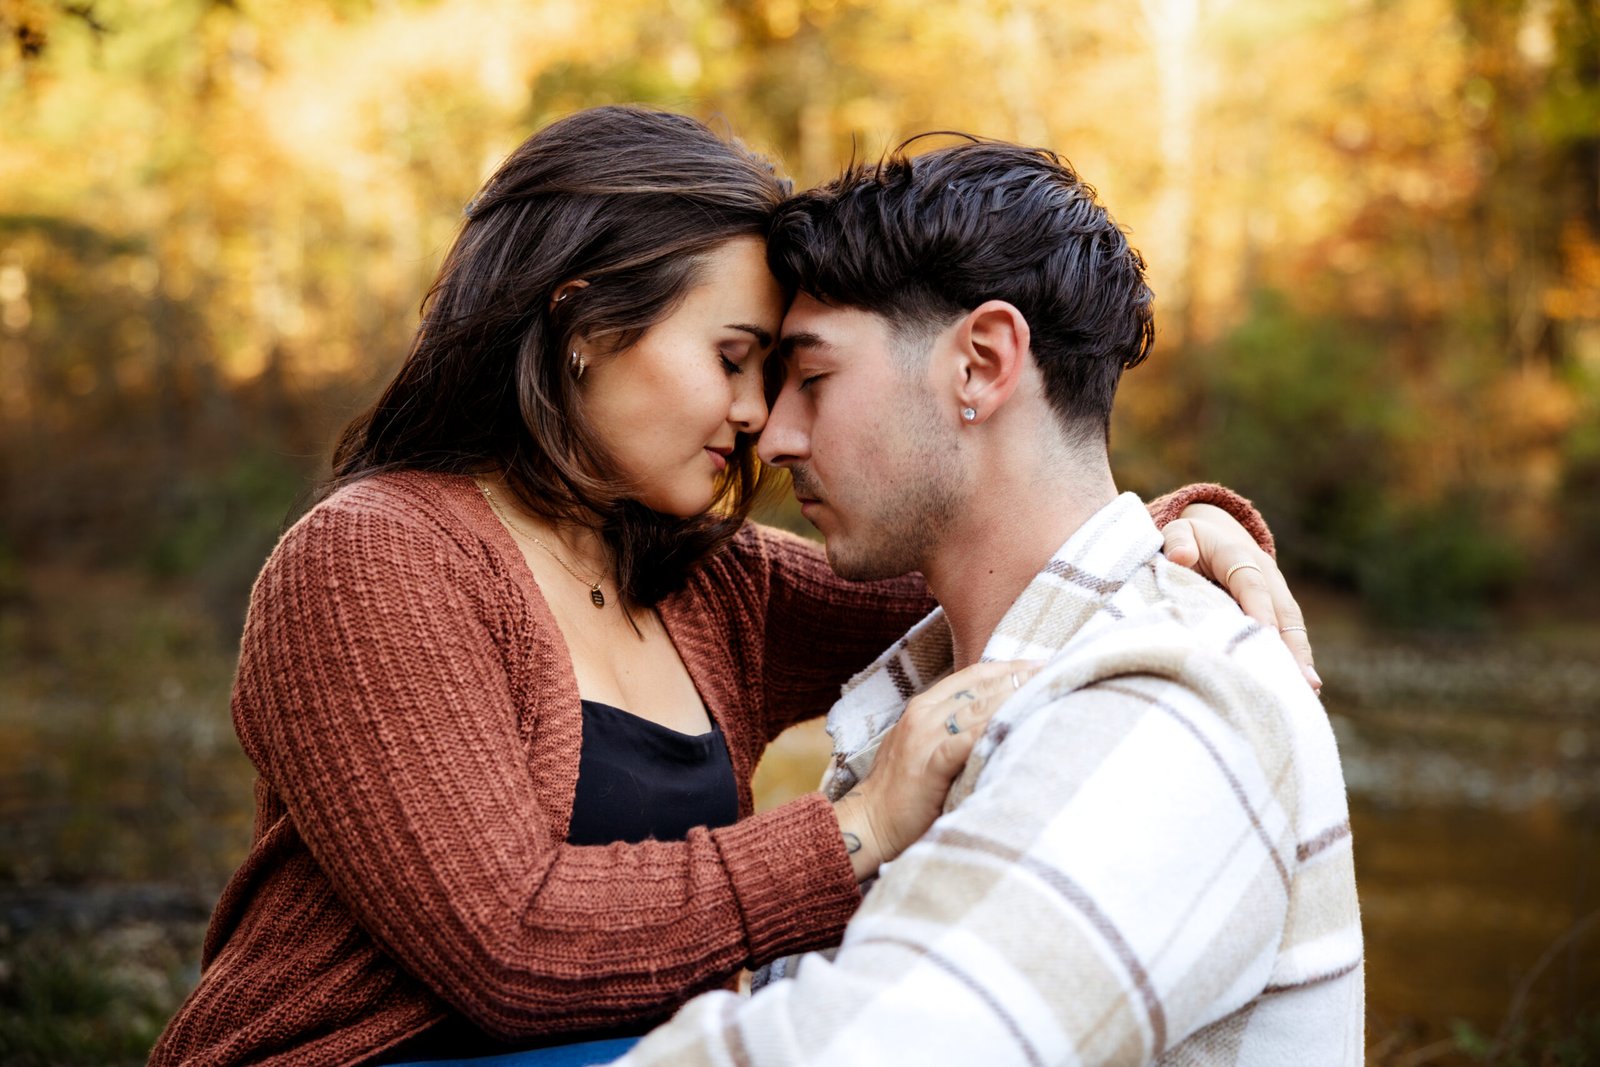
(583, 1054)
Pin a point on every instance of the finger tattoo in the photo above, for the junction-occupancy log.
(852, 843)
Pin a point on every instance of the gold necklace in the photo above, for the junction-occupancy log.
(596, 596)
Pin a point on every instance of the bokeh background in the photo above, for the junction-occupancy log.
(1374, 230)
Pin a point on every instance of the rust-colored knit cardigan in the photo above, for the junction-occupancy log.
(410, 706)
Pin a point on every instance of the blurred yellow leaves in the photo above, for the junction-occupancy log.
(345, 98)
(265, 189)
(1578, 297)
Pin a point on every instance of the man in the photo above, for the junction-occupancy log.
(1147, 859)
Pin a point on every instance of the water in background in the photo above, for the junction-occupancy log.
(1474, 770)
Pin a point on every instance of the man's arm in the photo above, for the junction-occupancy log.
(1118, 881)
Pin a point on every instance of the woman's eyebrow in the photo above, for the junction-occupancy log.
(763, 338)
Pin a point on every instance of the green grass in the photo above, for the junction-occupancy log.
(98, 998)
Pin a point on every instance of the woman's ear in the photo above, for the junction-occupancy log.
(991, 349)
(566, 289)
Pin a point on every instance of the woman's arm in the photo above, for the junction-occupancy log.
(373, 697)
(1220, 535)
(819, 629)
(822, 629)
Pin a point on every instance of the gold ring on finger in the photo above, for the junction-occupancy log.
(950, 724)
(1236, 568)
(1014, 683)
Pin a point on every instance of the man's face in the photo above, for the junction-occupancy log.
(876, 466)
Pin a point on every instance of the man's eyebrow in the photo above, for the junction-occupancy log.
(801, 339)
(763, 338)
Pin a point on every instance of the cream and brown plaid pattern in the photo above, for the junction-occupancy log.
(1147, 861)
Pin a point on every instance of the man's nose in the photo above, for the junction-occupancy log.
(785, 441)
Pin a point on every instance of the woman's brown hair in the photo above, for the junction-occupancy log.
(628, 200)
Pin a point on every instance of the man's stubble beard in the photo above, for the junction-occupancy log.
(919, 497)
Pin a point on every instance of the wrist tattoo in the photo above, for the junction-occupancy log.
(852, 843)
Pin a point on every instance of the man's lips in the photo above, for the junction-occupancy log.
(808, 504)
(804, 494)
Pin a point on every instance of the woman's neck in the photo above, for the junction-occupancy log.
(580, 547)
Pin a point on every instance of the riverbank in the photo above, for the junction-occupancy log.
(1474, 767)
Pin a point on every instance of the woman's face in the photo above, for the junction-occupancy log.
(669, 408)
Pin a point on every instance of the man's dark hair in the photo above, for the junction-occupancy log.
(922, 240)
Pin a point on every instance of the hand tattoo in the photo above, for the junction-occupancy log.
(852, 843)
(965, 694)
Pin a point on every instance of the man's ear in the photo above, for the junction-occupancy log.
(991, 350)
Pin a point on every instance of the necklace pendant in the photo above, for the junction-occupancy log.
(596, 596)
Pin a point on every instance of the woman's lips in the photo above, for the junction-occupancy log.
(719, 459)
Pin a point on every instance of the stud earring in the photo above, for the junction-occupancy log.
(576, 362)
(969, 414)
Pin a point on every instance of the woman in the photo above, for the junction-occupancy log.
(506, 685)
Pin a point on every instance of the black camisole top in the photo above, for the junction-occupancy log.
(638, 779)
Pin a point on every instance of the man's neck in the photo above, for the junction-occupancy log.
(1013, 527)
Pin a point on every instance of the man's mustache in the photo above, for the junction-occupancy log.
(804, 485)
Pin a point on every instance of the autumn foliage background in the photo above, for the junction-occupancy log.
(1373, 228)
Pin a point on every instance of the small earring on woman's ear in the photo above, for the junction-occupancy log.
(969, 413)
(576, 362)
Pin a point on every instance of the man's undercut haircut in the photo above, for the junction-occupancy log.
(923, 240)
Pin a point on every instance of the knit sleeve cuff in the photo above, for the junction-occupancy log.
(1164, 509)
(793, 882)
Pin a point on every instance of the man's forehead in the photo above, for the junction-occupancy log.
(811, 324)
